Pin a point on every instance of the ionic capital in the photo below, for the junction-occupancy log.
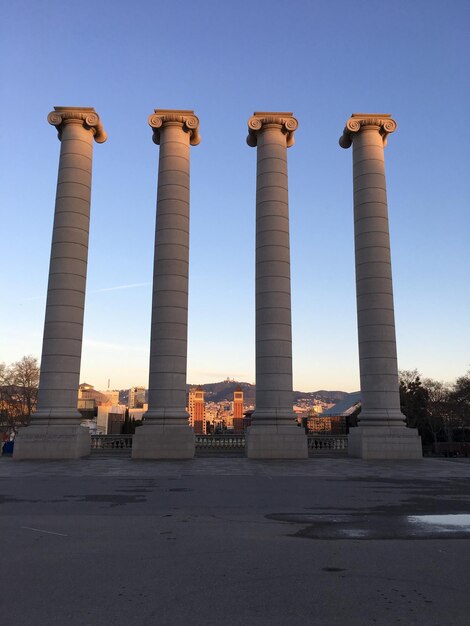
(175, 117)
(381, 122)
(260, 120)
(86, 116)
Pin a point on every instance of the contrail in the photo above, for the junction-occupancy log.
(132, 286)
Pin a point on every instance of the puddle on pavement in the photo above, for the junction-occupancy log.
(360, 526)
(446, 523)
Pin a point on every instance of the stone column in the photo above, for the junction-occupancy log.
(55, 431)
(165, 433)
(273, 433)
(381, 433)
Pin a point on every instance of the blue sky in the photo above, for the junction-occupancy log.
(321, 60)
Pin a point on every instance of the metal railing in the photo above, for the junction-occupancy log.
(111, 442)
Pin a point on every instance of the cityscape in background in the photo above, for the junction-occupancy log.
(215, 408)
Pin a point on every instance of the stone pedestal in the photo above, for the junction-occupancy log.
(163, 442)
(52, 442)
(273, 433)
(382, 442)
(55, 430)
(382, 432)
(165, 433)
(276, 442)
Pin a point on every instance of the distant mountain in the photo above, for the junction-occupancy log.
(223, 391)
(218, 392)
(327, 396)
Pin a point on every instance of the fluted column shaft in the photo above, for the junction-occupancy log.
(375, 310)
(272, 133)
(63, 328)
(174, 131)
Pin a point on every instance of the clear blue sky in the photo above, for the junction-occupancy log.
(322, 60)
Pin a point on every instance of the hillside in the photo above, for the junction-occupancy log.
(218, 392)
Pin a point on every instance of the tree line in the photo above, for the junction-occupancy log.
(440, 411)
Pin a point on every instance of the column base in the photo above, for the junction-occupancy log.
(163, 442)
(382, 442)
(56, 417)
(276, 442)
(52, 443)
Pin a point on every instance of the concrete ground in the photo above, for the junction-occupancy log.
(235, 541)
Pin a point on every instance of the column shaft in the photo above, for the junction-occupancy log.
(63, 328)
(165, 433)
(55, 431)
(273, 433)
(381, 433)
(168, 344)
(375, 311)
(274, 395)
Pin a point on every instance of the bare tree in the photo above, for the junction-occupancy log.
(26, 379)
(459, 398)
(413, 399)
(441, 411)
(18, 392)
(440, 417)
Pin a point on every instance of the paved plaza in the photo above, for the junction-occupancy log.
(235, 541)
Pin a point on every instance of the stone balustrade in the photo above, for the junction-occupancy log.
(327, 443)
(220, 442)
(224, 443)
(111, 442)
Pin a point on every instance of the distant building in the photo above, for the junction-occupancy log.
(137, 414)
(237, 411)
(319, 425)
(110, 419)
(102, 407)
(112, 395)
(136, 397)
(89, 399)
(335, 419)
(247, 418)
(197, 410)
(88, 392)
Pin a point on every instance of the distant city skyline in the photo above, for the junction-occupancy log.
(331, 61)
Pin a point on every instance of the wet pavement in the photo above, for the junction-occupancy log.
(236, 541)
